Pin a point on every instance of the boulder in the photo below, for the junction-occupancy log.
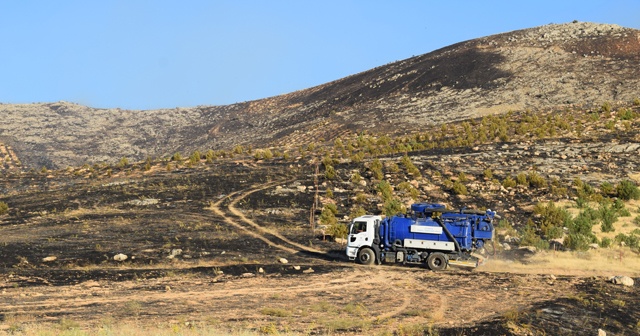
(530, 249)
(120, 257)
(283, 261)
(49, 259)
(622, 280)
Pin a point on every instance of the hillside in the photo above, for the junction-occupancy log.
(537, 69)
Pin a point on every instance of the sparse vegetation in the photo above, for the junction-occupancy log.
(4, 208)
(627, 190)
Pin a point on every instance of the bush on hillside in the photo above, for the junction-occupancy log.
(627, 190)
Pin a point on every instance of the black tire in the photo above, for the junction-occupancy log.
(366, 256)
(437, 261)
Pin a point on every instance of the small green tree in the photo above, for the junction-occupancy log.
(608, 216)
(553, 218)
(409, 189)
(356, 178)
(606, 188)
(508, 182)
(357, 212)
(393, 207)
(411, 168)
(329, 172)
(385, 190)
(535, 180)
(328, 214)
(376, 169)
(4, 208)
(459, 188)
(521, 179)
(488, 173)
(123, 162)
(627, 190)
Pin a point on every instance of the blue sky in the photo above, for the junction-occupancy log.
(137, 54)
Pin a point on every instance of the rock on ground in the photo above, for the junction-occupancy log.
(622, 280)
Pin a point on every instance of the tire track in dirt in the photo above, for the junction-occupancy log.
(70, 301)
(259, 234)
(215, 207)
(242, 217)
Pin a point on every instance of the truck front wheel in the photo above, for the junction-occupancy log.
(366, 256)
(437, 261)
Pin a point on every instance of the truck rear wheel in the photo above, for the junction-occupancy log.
(366, 256)
(437, 261)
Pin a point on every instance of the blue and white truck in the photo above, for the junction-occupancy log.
(429, 234)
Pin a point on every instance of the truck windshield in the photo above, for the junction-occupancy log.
(358, 227)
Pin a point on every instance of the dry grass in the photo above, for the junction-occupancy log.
(69, 328)
(604, 262)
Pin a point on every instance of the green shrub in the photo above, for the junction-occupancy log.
(195, 157)
(328, 215)
(393, 207)
(488, 173)
(356, 177)
(620, 208)
(361, 198)
(627, 114)
(583, 223)
(329, 172)
(606, 188)
(123, 162)
(411, 168)
(610, 125)
(329, 193)
(459, 188)
(536, 180)
(577, 241)
(627, 190)
(376, 169)
(553, 218)
(529, 237)
(508, 182)
(357, 212)
(331, 207)
(631, 240)
(521, 179)
(608, 216)
(4, 208)
(636, 220)
(409, 189)
(605, 242)
(176, 157)
(385, 190)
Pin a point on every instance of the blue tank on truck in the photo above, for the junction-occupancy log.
(429, 234)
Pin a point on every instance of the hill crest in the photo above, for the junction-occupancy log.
(540, 68)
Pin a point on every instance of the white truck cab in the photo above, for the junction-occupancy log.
(361, 233)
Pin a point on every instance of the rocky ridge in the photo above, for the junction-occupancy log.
(540, 69)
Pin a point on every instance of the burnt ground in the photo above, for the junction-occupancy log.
(203, 248)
